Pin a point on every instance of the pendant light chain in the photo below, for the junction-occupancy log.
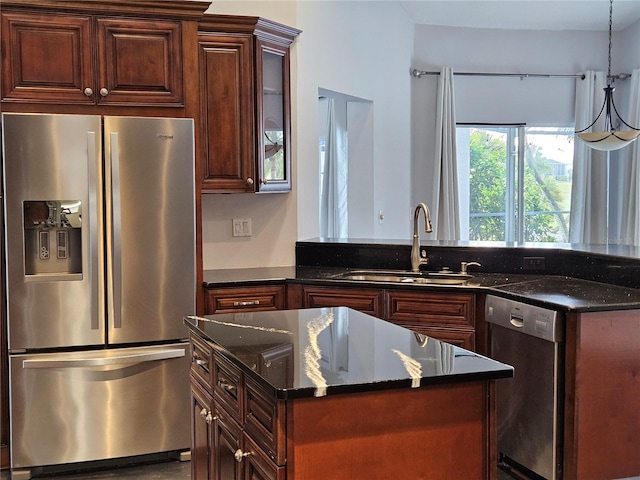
(610, 28)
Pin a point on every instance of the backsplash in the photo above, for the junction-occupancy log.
(582, 264)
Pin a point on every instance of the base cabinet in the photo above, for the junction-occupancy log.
(446, 316)
(370, 434)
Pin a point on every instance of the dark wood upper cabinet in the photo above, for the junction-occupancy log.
(245, 112)
(139, 61)
(90, 53)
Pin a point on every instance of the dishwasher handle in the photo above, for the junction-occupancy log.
(517, 321)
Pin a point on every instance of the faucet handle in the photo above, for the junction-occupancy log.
(464, 265)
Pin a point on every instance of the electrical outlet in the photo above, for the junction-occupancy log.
(533, 263)
(241, 227)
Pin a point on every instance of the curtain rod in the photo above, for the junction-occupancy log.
(421, 73)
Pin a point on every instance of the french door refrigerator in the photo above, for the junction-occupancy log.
(100, 270)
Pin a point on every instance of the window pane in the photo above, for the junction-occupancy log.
(547, 184)
(484, 197)
(491, 190)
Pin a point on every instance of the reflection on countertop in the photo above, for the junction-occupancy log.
(338, 350)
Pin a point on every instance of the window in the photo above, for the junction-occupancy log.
(515, 182)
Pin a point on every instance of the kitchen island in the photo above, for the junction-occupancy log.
(335, 393)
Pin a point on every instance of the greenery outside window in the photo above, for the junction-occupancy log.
(515, 182)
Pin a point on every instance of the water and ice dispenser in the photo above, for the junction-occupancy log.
(53, 237)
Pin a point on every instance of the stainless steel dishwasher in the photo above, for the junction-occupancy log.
(529, 405)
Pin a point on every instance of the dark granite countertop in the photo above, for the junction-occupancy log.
(328, 351)
(551, 291)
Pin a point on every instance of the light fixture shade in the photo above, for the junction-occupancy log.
(609, 141)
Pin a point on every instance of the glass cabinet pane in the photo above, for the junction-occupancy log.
(273, 154)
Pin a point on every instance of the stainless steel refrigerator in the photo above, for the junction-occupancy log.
(100, 271)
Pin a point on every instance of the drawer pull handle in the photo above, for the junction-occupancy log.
(226, 386)
(239, 455)
(199, 361)
(250, 303)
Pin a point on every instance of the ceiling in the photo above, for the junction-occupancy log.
(590, 15)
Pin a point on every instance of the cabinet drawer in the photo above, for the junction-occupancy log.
(258, 466)
(265, 421)
(247, 299)
(454, 310)
(228, 387)
(369, 301)
(201, 360)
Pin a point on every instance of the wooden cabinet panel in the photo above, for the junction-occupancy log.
(227, 119)
(369, 301)
(46, 58)
(228, 441)
(75, 57)
(202, 439)
(202, 362)
(449, 317)
(139, 61)
(257, 466)
(265, 421)
(449, 309)
(245, 104)
(228, 387)
(245, 299)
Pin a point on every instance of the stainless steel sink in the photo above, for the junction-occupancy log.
(395, 276)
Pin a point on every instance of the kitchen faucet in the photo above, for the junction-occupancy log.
(417, 258)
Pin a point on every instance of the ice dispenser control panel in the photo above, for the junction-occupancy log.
(52, 237)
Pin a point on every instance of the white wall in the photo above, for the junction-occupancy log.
(358, 48)
(366, 49)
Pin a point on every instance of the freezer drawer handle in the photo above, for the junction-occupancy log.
(104, 361)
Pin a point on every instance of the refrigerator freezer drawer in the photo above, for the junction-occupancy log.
(92, 405)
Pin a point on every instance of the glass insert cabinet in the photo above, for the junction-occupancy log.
(245, 105)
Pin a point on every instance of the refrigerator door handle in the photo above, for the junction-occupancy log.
(115, 238)
(97, 297)
(104, 361)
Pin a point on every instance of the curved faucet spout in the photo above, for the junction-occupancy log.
(416, 258)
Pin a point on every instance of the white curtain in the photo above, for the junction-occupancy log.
(629, 158)
(589, 206)
(446, 211)
(333, 194)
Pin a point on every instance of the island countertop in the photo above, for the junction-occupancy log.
(327, 351)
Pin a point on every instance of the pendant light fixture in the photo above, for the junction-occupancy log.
(609, 139)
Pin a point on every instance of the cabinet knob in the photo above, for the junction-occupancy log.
(249, 181)
(239, 455)
(104, 92)
(88, 92)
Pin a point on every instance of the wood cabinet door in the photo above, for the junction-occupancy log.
(139, 61)
(227, 125)
(202, 434)
(449, 317)
(47, 58)
(365, 300)
(228, 442)
(436, 309)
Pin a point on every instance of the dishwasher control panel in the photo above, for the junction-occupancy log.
(532, 320)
